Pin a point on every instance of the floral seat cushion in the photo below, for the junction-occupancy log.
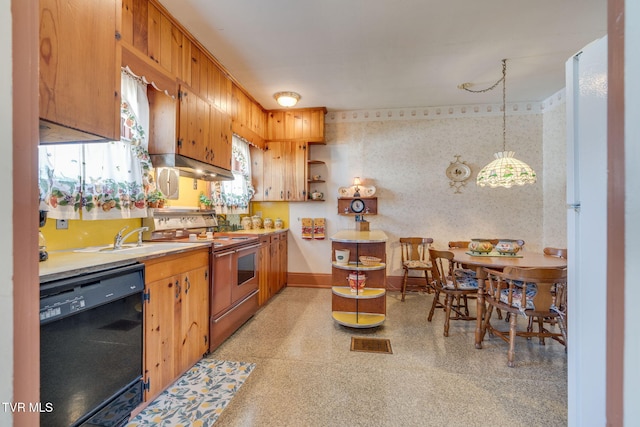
(417, 264)
(516, 300)
(464, 282)
(465, 272)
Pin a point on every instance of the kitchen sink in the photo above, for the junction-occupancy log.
(133, 248)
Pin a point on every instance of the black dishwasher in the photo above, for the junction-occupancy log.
(91, 347)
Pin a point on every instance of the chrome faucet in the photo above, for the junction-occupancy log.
(119, 238)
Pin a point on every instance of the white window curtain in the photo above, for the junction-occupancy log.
(102, 180)
(232, 197)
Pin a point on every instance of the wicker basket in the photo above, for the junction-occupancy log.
(370, 260)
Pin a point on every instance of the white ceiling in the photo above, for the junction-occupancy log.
(372, 54)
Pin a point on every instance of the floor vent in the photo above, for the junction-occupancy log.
(371, 345)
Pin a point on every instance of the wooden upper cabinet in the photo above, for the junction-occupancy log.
(220, 138)
(249, 119)
(293, 124)
(79, 84)
(193, 125)
(284, 171)
(164, 41)
(204, 132)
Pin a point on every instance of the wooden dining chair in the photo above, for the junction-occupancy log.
(528, 292)
(557, 252)
(459, 244)
(415, 257)
(455, 284)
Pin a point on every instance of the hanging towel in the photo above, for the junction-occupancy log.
(318, 228)
(307, 228)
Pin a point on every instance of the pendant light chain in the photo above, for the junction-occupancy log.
(504, 105)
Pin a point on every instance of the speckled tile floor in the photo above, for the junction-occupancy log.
(306, 375)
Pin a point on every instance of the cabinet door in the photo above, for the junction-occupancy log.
(194, 322)
(282, 270)
(295, 174)
(161, 327)
(273, 171)
(163, 40)
(274, 268)
(193, 125)
(220, 141)
(79, 65)
(264, 264)
(285, 171)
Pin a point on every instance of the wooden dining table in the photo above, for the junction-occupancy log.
(522, 259)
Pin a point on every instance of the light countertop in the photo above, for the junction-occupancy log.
(67, 263)
(72, 262)
(354, 236)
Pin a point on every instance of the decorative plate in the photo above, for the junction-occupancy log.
(365, 191)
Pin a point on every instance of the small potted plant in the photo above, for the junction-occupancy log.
(155, 199)
(205, 202)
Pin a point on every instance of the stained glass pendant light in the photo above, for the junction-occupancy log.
(505, 171)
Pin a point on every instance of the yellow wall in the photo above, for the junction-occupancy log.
(272, 210)
(101, 232)
(85, 233)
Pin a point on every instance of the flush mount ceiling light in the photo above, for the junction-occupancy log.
(505, 171)
(287, 99)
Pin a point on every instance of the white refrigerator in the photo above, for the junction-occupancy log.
(586, 87)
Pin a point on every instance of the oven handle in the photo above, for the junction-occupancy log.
(251, 295)
(220, 255)
(248, 247)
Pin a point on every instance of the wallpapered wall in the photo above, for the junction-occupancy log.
(406, 161)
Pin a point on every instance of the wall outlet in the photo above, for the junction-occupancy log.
(62, 224)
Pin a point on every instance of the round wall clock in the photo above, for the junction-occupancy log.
(357, 205)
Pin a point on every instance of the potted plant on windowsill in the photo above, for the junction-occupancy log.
(155, 199)
(205, 202)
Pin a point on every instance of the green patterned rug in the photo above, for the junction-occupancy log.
(198, 397)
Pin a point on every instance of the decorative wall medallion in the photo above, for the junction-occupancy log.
(458, 173)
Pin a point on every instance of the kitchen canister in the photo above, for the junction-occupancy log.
(257, 222)
(279, 224)
(246, 223)
(268, 224)
(342, 256)
(356, 281)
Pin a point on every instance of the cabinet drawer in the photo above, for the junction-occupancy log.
(170, 265)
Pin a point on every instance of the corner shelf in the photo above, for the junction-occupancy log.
(364, 308)
(358, 320)
(310, 181)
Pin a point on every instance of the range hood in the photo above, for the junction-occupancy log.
(191, 168)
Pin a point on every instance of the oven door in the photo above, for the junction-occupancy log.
(246, 272)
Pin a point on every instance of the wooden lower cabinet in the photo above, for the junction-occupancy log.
(176, 316)
(272, 265)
